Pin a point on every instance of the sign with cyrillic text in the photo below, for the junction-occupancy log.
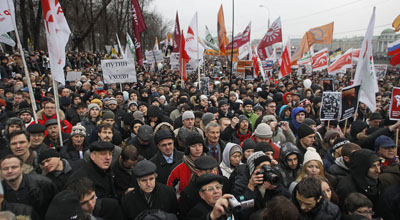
(118, 71)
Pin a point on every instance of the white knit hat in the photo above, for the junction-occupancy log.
(78, 129)
(311, 154)
(263, 131)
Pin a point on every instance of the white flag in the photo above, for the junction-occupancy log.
(5, 38)
(365, 72)
(130, 52)
(7, 16)
(192, 46)
(119, 45)
(57, 32)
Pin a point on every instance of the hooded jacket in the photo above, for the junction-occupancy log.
(294, 125)
(289, 175)
(225, 165)
(66, 127)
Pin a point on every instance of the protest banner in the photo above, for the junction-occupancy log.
(72, 76)
(216, 72)
(241, 67)
(394, 113)
(380, 70)
(349, 101)
(153, 56)
(174, 61)
(205, 86)
(330, 105)
(118, 71)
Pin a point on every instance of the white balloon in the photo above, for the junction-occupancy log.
(307, 83)
(160, 65)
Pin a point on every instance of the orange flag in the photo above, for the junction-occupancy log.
(303, 47)
(320, 35)
(222, 39)
(396, 23)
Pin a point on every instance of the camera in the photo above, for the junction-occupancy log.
(236, 206)
(279, 124)
(269, 175)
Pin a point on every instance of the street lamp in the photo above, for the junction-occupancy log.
(263, 6)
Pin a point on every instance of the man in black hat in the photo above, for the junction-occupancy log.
(167, 157)
(213, 203)
(53, 136)
(223, 109)
(305, 138)
(150, 194)
(36, 133)
(375, 119)
(144, 142)
(26, 115)
(98, 169)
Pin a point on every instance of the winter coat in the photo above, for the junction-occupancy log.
(390, 176)
(163, 168)
(288, 175)
(181, 175)
(339, 169)
(202, 212)
(60, 178)
(74, 157)
(66, 127)
(147, 151)
(89, 126)
(123, 178)
(162, 197)
(252, 118)
(324, 210)
(293, 124)
(19, 209)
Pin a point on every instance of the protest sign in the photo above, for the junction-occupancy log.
(380, 70)
(205, 86)
(72, 76)
(349, 101)
(394, 113)
(153, 56)
(118, 71)
(330, 106)
(241, 67)
(174, 61)
(216, 72)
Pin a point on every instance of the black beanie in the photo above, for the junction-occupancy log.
(304, 131)
(65, 206)
(48, 153)
(357, 127)
(194, 138)
(248, 144)
(264, 147)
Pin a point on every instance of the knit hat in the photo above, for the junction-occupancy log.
(376, 116)
(187, 114)
(112, 101)
(268, 118)
(212, 109)
(243, 118)
(138, 115)
(203, 97)
(207, 118)
(235, 148)
(309, 122)
(193, 138)
(258, 107)
(108, 115)
(48, 153)
(256, 159)
(304, 130)
(248, 144)
(357, 127)
(311, 154)
(339, 142)
(97, 101)
(264, 147)
(93, 105)
(222, 102)
(78, 129)
(248, 102)
(65, 206)
(145, 133)
(263, 131)
(163, 134)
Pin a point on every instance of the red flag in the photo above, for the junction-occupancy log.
(177, 35)
(356, 54)
(138, 27)
(255, 63)
(341, 63)
(285, 61)
(183, 58)
(395, 60)
(273, 35)
(320, 60)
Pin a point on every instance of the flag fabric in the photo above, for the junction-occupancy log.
(258, 67)
(222, 39)
(320, 35)
(7, 16)
(241, 42)
(306, 59)
(356, 54)
(209, 41)
(365, 72)
(119, 46)
(285, 61)
(5, 38)
(177, 35)
(394, 48)
(138, 27)
(395, 60)
(303, 47)
(155, 47)
(129, 49)
(192, 46)
(320, 60)
(396, 24)
(57, 32)
(183, 58)
(342, 63)
(273, 57)
(273, 35)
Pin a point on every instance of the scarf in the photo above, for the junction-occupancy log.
(189, 163)
(244, 136)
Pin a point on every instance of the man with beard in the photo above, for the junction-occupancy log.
(105, 133)
(53, 136)
(26, 115)
(289, 167)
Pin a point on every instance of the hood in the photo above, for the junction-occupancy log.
(226, 153)
(329, 134)
(294, 113)
(284, 97)
(287, 149)
(154, 111)
(41, 115)
(360, 162)
(357, 127)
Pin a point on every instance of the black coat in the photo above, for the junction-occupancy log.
(19, 209)
(147, 151)
(61, 178)
(163, 168)
(123, 179)
(103, 180)
(72, 155)
(163, 197)
(324, 210)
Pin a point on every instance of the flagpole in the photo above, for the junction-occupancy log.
(55, 88)
(119, 45)
(198, 55)
(233, 28)
(28, 78)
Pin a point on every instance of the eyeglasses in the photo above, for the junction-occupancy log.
(211, 189)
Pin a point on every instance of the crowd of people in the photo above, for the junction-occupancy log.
(159, 149)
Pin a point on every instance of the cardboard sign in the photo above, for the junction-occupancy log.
(330, 105)
(349, 101)
(72, 76)
(154, 56)
(174, 61)
(394, 113)
(380, 70)
(118, 71)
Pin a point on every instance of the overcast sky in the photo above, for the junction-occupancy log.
(351, 17)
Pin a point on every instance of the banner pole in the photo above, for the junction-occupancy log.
(55, 88)
(233, 35)
(27, 76)
(345, 128)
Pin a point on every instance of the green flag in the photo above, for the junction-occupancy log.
(209, 41)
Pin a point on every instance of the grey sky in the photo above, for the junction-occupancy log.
(351, 17)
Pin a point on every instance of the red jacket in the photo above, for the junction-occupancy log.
(181, 175)
(277, 150)
(66, 127)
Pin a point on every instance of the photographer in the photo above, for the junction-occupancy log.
(263, 185)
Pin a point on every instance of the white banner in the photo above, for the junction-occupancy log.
(7, 15)
(118, 71)
(72, 76)
(154, 56)
(174, 61)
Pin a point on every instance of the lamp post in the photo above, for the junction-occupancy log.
(269, 13)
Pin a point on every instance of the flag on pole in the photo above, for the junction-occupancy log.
(192, 46)
(241, 42)
(209, 41)
(177, 35)
(183, 58)
(285, 61)
(155, 47)
(119, 46)
(320, 35)
(57, 32)
(5, 38)
(273, 35)
(396, 24)
(129, 49)
(258, 67)
(394, 48)
(320, 60)
(342, 62)
(395, 60)
(138, 27)
(222, 39)
(356, 54)
(7, 16)
(365, 72)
